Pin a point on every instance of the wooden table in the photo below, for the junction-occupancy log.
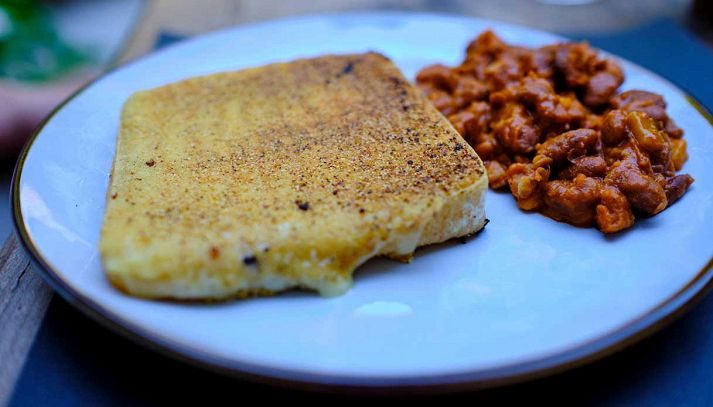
(24, 296)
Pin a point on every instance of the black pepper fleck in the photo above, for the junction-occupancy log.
(302, 205)
(249, 260)
(409, 162)
(459, 147)
(348, 69)
(150, 163)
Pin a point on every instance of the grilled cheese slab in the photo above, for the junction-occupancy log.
(285, 176)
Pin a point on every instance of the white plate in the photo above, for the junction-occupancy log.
(526, 297)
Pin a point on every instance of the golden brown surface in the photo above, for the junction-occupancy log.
(287, 175)
(549, 124)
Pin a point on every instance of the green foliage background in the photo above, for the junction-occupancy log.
(30, 48)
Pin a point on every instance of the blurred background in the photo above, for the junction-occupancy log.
(48, 49)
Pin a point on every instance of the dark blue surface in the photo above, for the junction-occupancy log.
(75, 361)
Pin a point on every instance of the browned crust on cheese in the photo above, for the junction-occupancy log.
(209, 171)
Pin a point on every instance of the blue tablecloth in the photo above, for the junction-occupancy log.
(76, 362)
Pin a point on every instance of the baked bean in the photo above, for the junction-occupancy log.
(548, 123)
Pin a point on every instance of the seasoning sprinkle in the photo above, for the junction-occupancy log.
(347, 69)
(249, 260)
